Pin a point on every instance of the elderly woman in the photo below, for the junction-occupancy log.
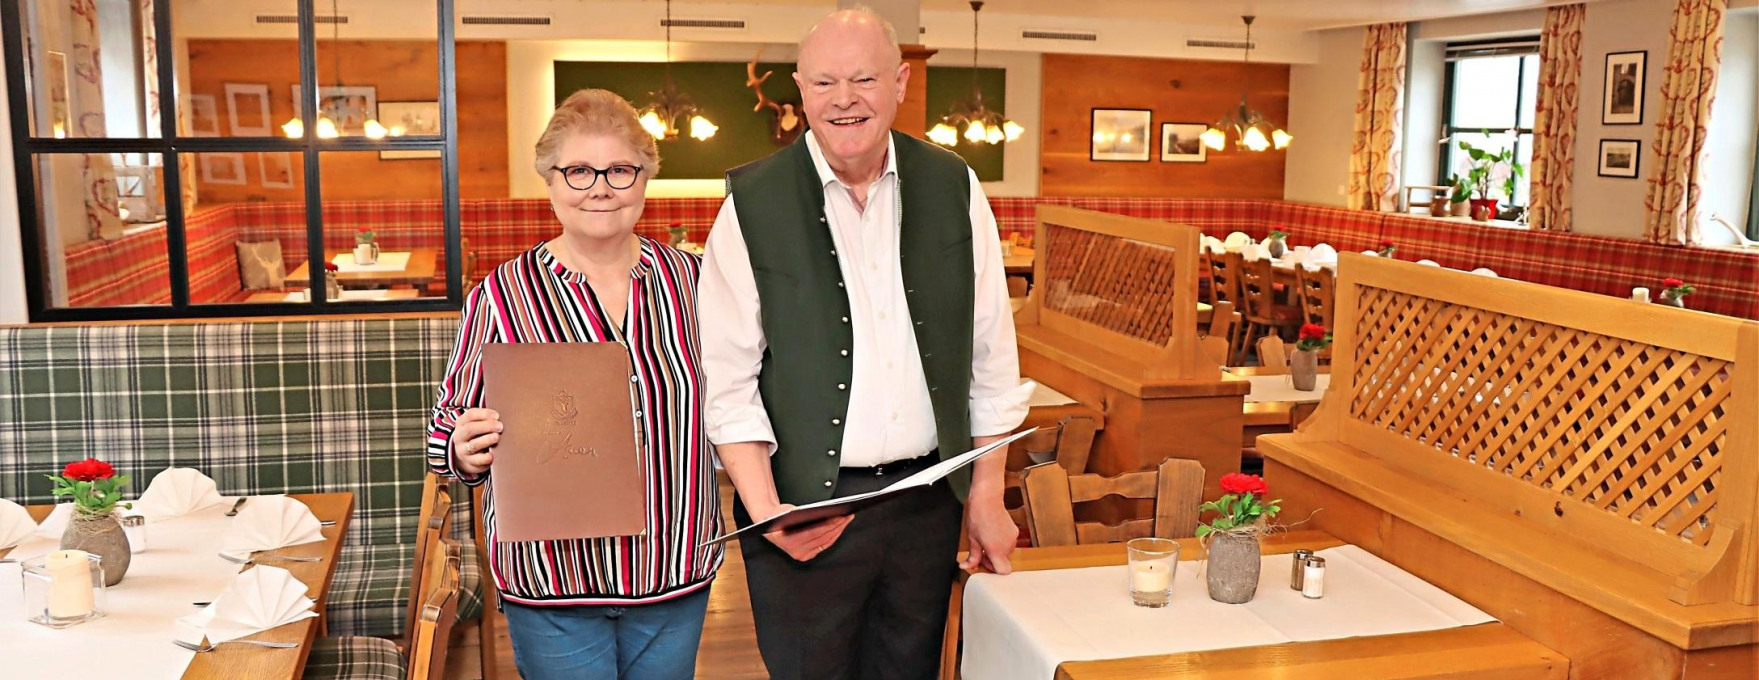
(621, 607)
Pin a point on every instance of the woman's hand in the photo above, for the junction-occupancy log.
(478, 430)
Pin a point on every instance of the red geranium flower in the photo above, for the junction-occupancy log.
(331, 266)
(88, 470)
(1672, 282)
(1235, 482)
(364, 229)
(1312, 331)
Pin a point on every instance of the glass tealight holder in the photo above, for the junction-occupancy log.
(1153, 563)
(63, 588)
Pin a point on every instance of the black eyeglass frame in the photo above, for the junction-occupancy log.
(597, 173)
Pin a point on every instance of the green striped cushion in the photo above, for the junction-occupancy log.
(354, 658)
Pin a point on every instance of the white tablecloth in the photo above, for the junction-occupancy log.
(389, 261)
(347, 295)
(181, 565)
(1022, 626)
(1282, 388)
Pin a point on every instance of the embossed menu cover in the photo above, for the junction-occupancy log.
(568, 465)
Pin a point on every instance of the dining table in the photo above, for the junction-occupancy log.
(1276, 411)
(347, 295)
(226, 661)
(417, 267)
(1472, 645)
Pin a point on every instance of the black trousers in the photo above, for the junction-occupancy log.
(872, 606)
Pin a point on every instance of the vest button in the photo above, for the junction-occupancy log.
(845, 319)
(831, 452)
(839, 284)
(836, 421)
(827, 484)
(842, 386)
(833, 253)
(845, 352)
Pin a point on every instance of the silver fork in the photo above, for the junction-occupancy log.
(253, 558)
(210, 646)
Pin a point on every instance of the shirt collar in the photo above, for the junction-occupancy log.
(826, 176)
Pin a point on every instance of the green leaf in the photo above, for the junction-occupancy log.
(1203, 530)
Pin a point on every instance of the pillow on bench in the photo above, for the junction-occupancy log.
(260, 266)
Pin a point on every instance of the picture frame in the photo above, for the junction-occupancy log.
(222, 168)
(247, 109)
(204, 116)
(1622, 90)
(276, 169)
(1120, 135)
(60, 123)
(1179, 143)
(1620, 158)
(350, 107)
(418, 119)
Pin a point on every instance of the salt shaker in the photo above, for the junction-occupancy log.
(134, 528)
(1296, 568)
(1313, 578)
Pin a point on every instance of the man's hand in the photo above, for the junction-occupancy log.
(806, 541)
(990, 533)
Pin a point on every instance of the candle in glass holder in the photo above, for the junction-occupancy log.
(1150, 577)
(70, 584)
(1152, 563)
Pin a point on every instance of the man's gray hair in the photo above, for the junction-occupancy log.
(862, 11)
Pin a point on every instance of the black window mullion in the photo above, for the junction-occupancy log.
(449, 203)
(171, 190)
(314, 195)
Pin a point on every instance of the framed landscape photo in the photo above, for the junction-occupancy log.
(204, 118)
(247, 108)
(410, 119)
(276, 168)
(222, 168)
(1622, 101)
(1179, 143)
(1620, 157)
(1120, 135)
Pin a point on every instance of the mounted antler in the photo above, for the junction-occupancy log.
(785, 123)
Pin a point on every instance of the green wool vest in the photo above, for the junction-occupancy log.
(807, 366)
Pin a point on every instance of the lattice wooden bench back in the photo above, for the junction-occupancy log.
(1631, 428)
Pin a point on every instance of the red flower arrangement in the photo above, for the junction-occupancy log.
(1387, 248)
(1242, 508)
(1279, 232)
(331, 267)
(93, 484)
(1673, 289)
(1313, 338)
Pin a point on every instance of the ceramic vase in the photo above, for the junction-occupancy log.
(1232, 572)
(101, 536)
(1304, 369)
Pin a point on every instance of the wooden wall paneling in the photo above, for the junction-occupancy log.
(399, 71)
(1074, 85)
(913, 111)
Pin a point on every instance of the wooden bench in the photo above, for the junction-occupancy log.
(1583, 468)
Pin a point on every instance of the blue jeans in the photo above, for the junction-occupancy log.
(639, 642)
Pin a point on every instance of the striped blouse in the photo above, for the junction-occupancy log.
(532, 298)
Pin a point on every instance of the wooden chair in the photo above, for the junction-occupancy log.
(1016, 286)
(1218, 342)
(1273, 355)
(1224, 287)
(1264, 315)
(1176, 487)
(468, 263)
(1071, 441)
(1316, 292)
(439, 611)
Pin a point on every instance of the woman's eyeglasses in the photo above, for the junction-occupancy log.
(583, 177)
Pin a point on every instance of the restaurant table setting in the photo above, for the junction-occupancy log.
(1022, 626)
(389, 261)
(182, 567)
(1281, 388)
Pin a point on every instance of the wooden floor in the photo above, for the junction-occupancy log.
(729, 644)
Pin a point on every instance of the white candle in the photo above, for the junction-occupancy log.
(1150, 577)
(70, 584)
(1640, 294)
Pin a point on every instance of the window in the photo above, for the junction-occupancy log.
(163, 175)
(1492, 88)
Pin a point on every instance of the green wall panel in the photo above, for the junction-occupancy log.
(744, 136)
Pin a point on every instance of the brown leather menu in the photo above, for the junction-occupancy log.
(568, 465)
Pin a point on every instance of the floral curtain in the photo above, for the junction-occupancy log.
(1380, 103)
(149, 65)
(1554, 119)
(86, 85)
(1688, 88)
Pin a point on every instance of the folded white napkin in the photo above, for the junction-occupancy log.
(15, 524)
(267, 523)
(1371, 253)
(176, 492)
(1251, 252)
(1322, 253)
(1213, 244)
(1237, 240)
(1428, 263)
(259, 599)
(56, 523)
(1481, 271)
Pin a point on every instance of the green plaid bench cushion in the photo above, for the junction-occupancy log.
(269, 406)
(354, 658)
(369, 594)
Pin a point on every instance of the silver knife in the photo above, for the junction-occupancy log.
(235, 506)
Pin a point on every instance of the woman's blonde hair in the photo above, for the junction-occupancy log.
(595, 112)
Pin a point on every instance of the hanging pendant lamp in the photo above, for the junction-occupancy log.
(1251, 130)
(326, 128)
(660, 117)
(982, 126)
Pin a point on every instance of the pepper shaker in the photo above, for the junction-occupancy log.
(1313, 578)
(1295, 569)
(134, 528)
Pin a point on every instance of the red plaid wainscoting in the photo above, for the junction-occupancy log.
(131, 270)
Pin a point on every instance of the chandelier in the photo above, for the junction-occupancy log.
(669, 105)
(981, 124)
(326, 128)
(1250, 128)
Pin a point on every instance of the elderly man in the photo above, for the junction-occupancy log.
(856, 330)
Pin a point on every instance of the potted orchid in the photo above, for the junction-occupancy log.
(96, 492)
(1674, 292)
(1232, 537)
(1304, 363)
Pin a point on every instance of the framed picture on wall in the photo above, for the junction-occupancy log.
(1120, 135)
(1620, 157)
(1179, 143)
(247, 108)
(204, 117)
(277, 169)
(349, 107)
(222, 168)
(1623, 97)
(410, 119)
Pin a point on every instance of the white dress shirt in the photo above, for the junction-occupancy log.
(889, 417)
